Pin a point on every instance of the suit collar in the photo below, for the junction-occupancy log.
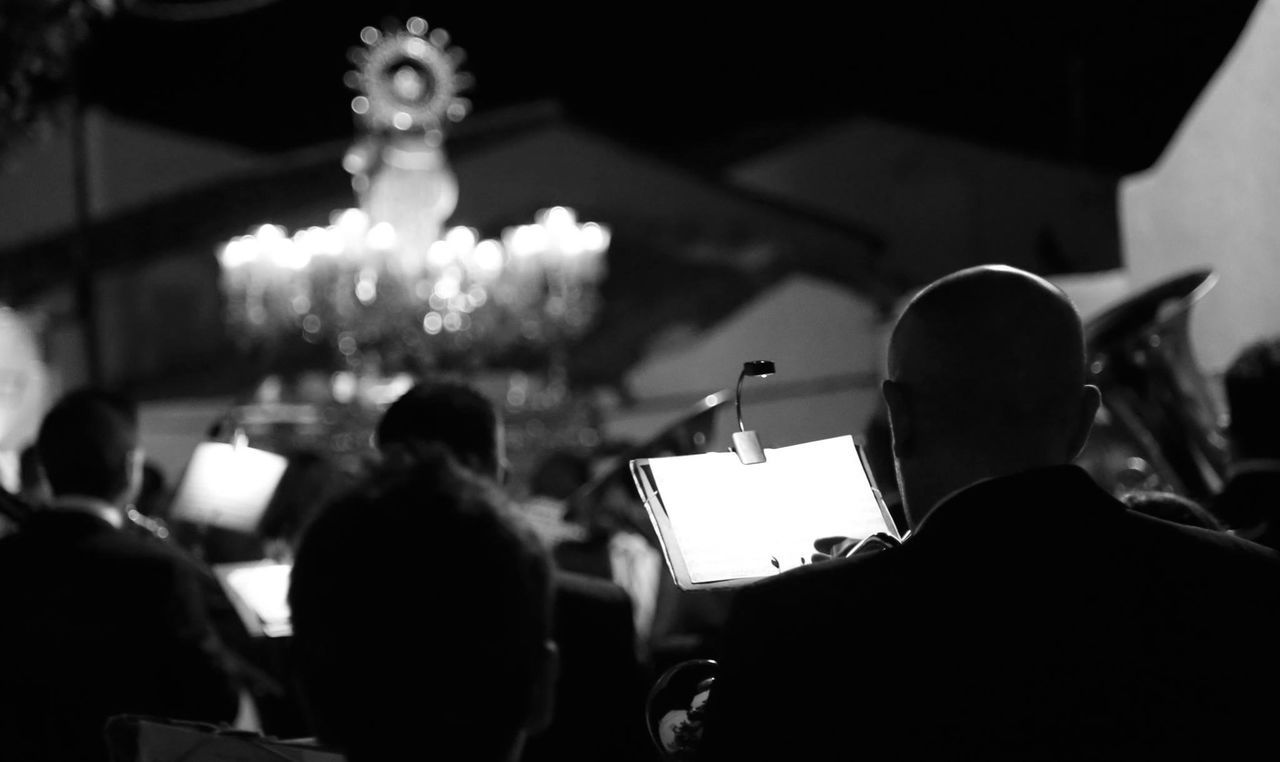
(1017, 504)
(90, 506)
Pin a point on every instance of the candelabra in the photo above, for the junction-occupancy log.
(386, 285)
(461, 299)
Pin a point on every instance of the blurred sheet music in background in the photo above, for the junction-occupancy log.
(260, 592)
(227, 485)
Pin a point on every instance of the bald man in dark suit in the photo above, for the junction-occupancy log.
(1028, 615)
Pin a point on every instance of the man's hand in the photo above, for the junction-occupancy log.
(841, 547)
(833, 547)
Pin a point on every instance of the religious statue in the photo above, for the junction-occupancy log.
(408, 84)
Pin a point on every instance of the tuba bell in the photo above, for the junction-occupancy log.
(1159, 426)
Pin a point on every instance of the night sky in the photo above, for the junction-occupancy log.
(1096, 83)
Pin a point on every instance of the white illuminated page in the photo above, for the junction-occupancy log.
(732, 521)
(228, 485)
(264, 589)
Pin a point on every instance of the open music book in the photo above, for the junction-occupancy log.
(723, 524)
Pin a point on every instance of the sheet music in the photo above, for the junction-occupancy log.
(720, 527)
(732, 521)
(263, 588)
(228, 486)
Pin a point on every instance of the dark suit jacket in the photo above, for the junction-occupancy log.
(1029, 617)
(1250, 501)
(599, 713)
(97, 622)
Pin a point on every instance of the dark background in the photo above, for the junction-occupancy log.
(1102, 84)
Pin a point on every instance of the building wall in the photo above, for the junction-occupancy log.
(1212, 199)
(826, 342)
(160, 317)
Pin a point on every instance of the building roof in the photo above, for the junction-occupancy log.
(687, 248)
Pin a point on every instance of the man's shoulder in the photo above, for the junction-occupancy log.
(84, 541)
(798, 634)
(1194, 543)
(126, 546)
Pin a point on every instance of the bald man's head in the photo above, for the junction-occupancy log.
(986, 369)
(997, 342)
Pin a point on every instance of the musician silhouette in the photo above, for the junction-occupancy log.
(1029, 615)
(600, 691)
(406, 654)
(98, 620)
(1249, 502)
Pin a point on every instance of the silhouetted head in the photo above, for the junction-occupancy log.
(451, 414)
(986, 377)
(1252, 384)
(88, 445)
(421, 616)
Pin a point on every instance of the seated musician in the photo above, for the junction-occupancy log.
(1029, 615)
(98, 620)
(1250, 500)
(600, 690)
(408, 649)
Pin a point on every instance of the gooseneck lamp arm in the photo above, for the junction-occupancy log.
(761, 368)
(745, 443)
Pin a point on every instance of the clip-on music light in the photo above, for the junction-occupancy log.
(727, 518)
(746, 443)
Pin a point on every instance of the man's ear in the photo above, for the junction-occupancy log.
(1090, 400)
(542, 693)
(901, 422)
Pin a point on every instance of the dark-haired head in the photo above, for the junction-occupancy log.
(449, 413)
(88, 445)
(421, 610)
(1252, 385)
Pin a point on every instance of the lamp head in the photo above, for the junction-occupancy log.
(761, 368)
